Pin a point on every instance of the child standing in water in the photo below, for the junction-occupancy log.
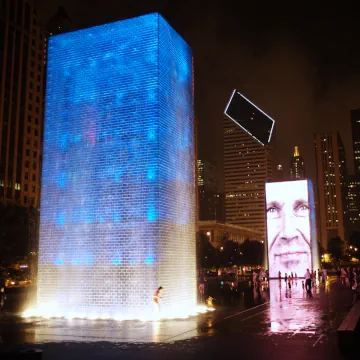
(157, 298)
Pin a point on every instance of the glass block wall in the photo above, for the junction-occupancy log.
(118, 187)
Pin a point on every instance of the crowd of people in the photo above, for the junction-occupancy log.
(259, 277)
(350, 278)
(310, 278)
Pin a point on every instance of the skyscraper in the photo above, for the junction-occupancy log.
(353, 193)
(247, 165)
(331, 178)
(22, 51)
(207, 175)
(207, 189)
(279, 172)
(353, 202)
(297, 166)
(355, 130)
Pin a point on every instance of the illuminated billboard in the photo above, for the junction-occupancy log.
(290, 227)
(250, 118)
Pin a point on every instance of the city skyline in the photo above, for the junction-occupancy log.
(265, 64)
(170, 224)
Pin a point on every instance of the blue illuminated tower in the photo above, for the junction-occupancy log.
(118, 187)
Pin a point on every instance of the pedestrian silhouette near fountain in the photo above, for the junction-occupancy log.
(307, 277)
(157, 298)
(2, 299)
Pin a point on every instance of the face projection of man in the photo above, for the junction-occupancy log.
(288, 227)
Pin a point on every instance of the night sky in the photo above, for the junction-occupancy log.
(304, 71)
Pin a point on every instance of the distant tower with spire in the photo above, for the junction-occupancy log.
(297, 166)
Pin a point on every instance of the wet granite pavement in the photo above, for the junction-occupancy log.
(249, 326)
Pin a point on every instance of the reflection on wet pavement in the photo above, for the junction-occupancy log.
(291, 309)
(249, 311)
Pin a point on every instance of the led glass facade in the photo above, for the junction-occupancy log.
(291, 239)
(118, 186)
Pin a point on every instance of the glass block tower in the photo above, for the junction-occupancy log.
(118, 185)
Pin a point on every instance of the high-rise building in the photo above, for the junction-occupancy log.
(353, 185)
(207, 175)
(331, 178)
(207, 189)
(279, 172)
(297, 165)
(247, 166)
(353, 202)
(22, 52)
(355, 130)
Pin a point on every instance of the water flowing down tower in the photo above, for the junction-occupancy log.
(118, 187)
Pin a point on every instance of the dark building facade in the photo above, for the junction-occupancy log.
(353, 203)
(22, 62)
(247, 166)
(297, 165)
(207, 190)
(332, 185)
(353, 185)
(280, 174)
(355, 130)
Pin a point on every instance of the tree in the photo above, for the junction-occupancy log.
(321, 248)
(354, 239)
(208, 255)
(253, 252)
(336, 247)
(230, 253)
(18, 228)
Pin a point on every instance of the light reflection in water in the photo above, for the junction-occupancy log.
(291, 309)
(156, 331)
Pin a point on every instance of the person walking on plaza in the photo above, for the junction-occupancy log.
(355, 288)
(324, 275)
(343, 276)
(347, 278)
(307, 277)
(2, 299)
(255, 279)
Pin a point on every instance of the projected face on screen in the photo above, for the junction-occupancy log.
(288, 227)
